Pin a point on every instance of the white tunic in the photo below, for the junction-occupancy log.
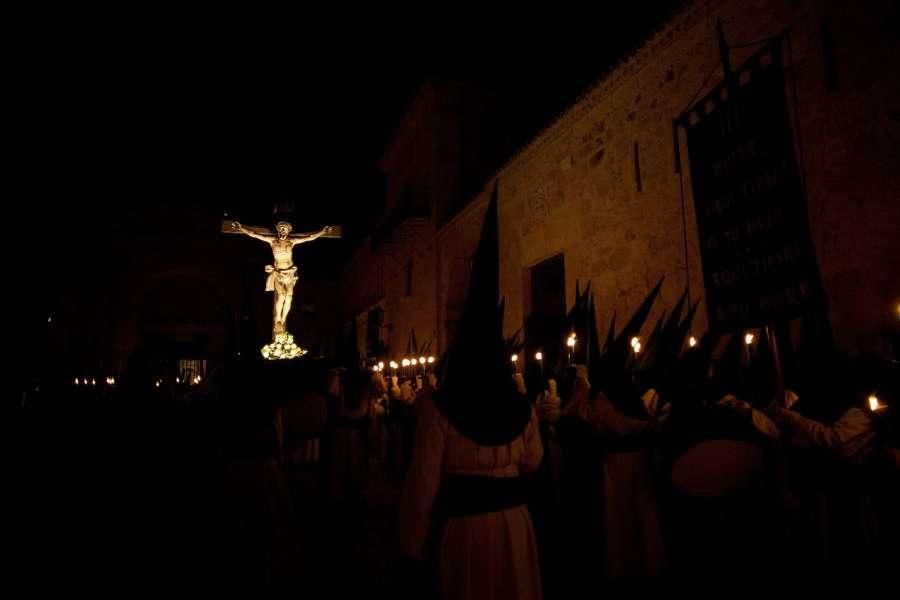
(486, 556)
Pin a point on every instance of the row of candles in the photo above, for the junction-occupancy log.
(749, 338)
(111, 381)
(93, 381)
(572, 340)
(407, 367)
(178, 380)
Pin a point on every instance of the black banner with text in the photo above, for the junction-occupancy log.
(759, 265)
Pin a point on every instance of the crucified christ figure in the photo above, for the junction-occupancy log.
(283, 274)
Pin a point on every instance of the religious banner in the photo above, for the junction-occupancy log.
(759, 265)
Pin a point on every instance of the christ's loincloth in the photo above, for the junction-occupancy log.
(284, 279)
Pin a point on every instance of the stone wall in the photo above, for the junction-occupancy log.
(574, 189)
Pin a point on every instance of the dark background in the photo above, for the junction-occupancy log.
(110, 117)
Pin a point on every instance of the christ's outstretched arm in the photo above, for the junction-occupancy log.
(302, 238)
(259, 233)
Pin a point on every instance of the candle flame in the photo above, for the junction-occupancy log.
(514, 358)
(748, 339)
(539, 356)
(571, 341)
(692, 342)
(76, 381)
(380, 365)
(873, 402)
(635, 341)
(421, 360)
(394, 365)
(430, 359)
(637, 347)
(405, 362)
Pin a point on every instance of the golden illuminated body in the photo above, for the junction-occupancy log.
(283, 273)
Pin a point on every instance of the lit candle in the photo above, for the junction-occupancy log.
(76, 381)
(571, 344)
(515, 361)
(692, 341)
(748, 342)
(539, 357)
(873, 402)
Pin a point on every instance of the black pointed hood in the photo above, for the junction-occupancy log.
(578, 323)
(412, 345)
(612, 373)
(610, 334)
(593, 342)
(476, 392)
(664, 348)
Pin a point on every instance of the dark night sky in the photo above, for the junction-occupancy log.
(104, 126)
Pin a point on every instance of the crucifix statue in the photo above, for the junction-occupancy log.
(282, 276)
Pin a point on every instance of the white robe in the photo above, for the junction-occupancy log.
(634, 545)
(488, 556)
(850, 434)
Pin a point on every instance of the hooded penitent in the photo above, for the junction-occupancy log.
(658, 364)
(612, 372)
(476, 392)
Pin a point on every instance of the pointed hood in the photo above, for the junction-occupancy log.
(578, 323)
(611, 333)
(593, 341)
(476, 392)
(412, 345)
(664, 347)
(612, 372)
